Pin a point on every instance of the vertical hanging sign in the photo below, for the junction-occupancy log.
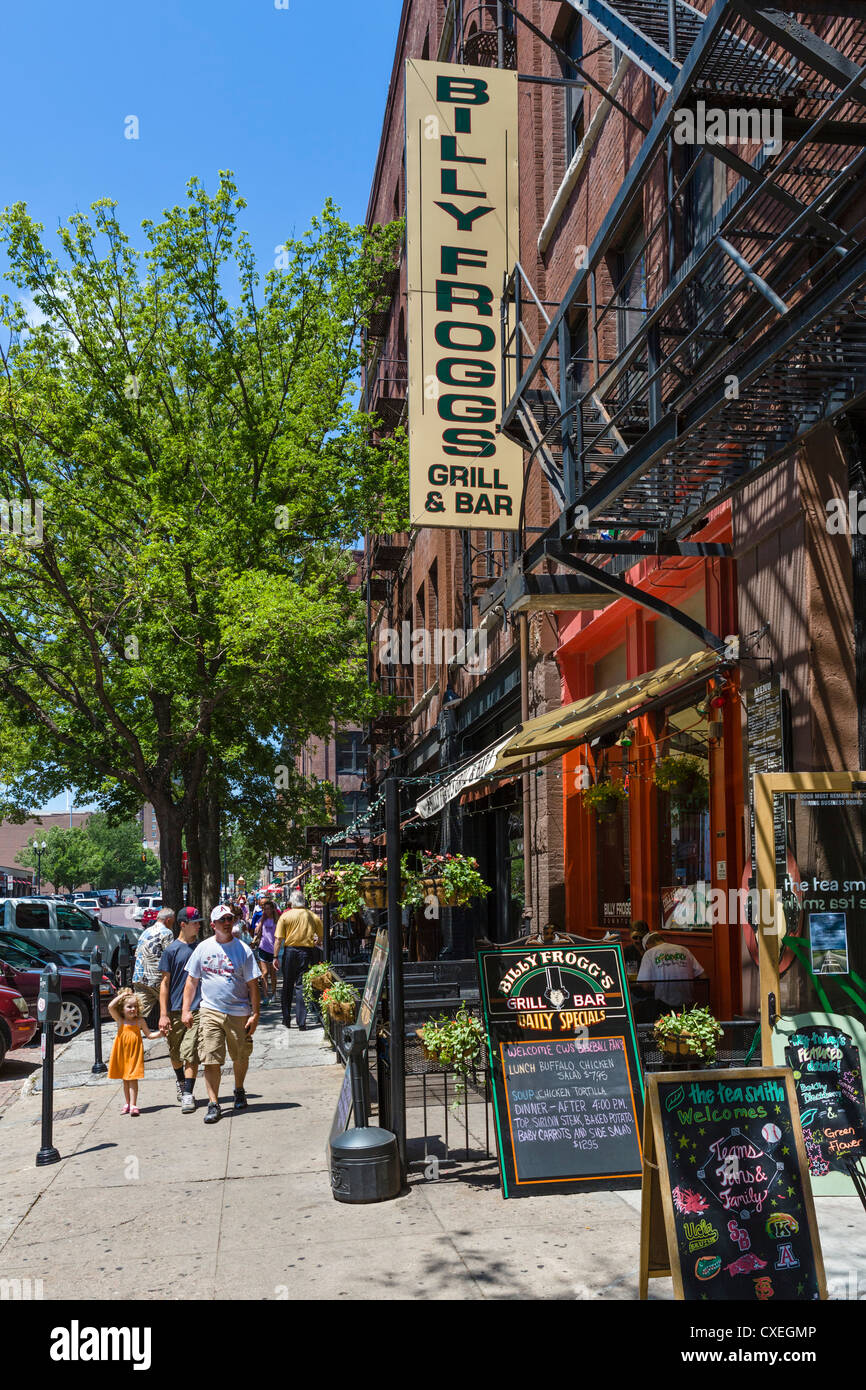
(462, 240)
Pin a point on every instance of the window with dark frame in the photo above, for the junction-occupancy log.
(574, 122)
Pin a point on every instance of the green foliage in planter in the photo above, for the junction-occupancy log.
(318, 886)
(697, 1027)
(459, 874)
(685, 779)
(313, 997)
(455, 1043)
(411, 884)
(350, 899)
(341, 992)
(604, 798)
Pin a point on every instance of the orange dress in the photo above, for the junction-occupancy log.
(126, 1062)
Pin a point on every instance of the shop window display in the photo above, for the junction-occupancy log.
(684, 820)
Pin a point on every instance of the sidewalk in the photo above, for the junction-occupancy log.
(165, 1207)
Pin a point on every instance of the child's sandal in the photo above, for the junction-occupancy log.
(125, 1110)
(135, 1110)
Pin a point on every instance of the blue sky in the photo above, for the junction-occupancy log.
(291, 100)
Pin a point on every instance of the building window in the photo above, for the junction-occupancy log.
(354, 805)
(574, 128)
(612, 853)
(351, 752)
(684, 827)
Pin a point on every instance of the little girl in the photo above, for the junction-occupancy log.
(126, 1063)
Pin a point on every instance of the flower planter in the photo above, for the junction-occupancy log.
(374, 892)
(341, 1013)
(425, 1051)
(679, 1047)
(322, 982)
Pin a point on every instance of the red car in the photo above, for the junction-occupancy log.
(148, 916)
(20, 970)
(17, 1026)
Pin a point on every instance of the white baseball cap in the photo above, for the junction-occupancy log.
(219, 912)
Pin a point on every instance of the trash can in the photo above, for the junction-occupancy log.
(365, 1166)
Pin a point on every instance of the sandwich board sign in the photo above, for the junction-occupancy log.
(726, 1203)
(826, 1053)
(566, 1081)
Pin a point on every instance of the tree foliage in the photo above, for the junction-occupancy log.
(100, 853)
(203, 469)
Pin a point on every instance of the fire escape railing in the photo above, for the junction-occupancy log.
(716, 344)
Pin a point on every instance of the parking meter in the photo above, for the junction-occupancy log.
(124, 959)
(48, 1003)
(355, 1048)
(48, 1013)
(96, 986)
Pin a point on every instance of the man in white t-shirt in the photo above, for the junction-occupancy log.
(668, 971)
(229, 1013)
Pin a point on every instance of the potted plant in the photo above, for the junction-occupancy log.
(341, 1001)
(454, 878)
(322, 888)
(318, 977)
(693, 1033)
(684, 778)
(373, 885)
(349, 897)
(454, 1043)
(412, 892)
(604, 797)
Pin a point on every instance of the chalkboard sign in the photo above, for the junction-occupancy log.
(727, 1206)
(824, 1052)
(567, 1089)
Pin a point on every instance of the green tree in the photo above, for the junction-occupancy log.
(116, 854)
(203, 469)
(68, 859)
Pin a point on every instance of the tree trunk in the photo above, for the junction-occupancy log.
(170, 821)
(193, 849)
(209, 844)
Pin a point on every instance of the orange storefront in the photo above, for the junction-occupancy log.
(627, 865)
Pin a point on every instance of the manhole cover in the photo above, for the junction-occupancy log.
(65, 1114)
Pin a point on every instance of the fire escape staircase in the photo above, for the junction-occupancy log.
(755, 334)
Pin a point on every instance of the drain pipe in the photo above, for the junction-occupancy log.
(581, 154)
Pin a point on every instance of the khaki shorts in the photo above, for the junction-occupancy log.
(182, 1042)
(147, 996)
(218, 1031)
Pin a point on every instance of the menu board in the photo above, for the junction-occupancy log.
(825, 1054)
(567, 1088)
(727, 1153)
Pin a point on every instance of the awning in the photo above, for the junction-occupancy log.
(565, 728)
(476, 771)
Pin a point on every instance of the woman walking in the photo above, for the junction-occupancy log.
(265, 932)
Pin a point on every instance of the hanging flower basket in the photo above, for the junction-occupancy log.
(685, 780)
(341, 1013)
(604, 798)
(322, 982)
(374, 891)
(693, 1033)
(453, 878)
(341, 1002)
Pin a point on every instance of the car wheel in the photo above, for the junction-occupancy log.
(74, 1017)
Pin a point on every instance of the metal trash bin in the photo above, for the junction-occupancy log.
(365, 1166)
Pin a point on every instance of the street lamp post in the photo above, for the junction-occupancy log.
(40, 850)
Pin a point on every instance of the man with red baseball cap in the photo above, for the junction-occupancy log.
(182, 1040)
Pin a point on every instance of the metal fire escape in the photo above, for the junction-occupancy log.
(686, 360)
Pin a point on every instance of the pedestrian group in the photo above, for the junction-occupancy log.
(208, 993)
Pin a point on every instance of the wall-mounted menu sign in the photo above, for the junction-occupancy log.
(567, 1089)
(726, 1204)
(824, 1052)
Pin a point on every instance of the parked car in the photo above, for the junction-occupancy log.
(17, 1025)
(129, 895)
(20, 968)
(63, 927)
(110, 895)
(145, 903)
(91, 902)
(148, 916)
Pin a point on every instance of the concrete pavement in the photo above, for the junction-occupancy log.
(165, 1207)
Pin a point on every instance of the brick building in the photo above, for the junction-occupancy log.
(686, 367)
